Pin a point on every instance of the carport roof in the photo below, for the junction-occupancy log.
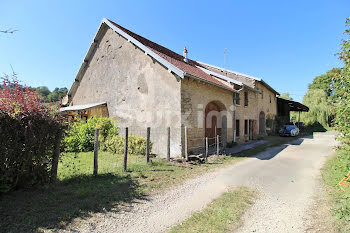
(293, 105)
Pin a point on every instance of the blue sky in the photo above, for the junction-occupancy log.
(287, 43)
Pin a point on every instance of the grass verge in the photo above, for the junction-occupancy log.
(333, 172)
(222, 215)
(78, 194)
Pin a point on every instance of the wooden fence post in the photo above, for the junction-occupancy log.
(97, 131)
(126, 149)
(55, 156)
(168, 146)
(206, 148)
(217, 145)
(147, 143)
(186, 143)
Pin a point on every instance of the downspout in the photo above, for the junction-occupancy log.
(234, 112)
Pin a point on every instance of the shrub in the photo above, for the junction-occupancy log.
(81, 134)
(28, 131)
(136, 145)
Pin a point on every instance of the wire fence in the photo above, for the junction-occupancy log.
(158, 141)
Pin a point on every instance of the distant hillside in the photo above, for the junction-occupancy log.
(48, 96)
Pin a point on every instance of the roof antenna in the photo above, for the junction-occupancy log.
(225, 60)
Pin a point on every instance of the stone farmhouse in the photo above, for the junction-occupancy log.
(143, 84)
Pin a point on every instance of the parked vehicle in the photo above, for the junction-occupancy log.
(300, 125)
(289, 131)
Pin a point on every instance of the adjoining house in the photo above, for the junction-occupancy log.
(143, 84)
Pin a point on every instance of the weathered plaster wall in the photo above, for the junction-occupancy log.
(270, 109)
(138, 90)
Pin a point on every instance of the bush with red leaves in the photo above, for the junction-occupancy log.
(28, 132)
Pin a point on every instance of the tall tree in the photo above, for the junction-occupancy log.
(286, 96)
(326, 81)
(320, 109)
(342, 90)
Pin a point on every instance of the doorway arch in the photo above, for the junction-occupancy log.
(262, 123)
(215, 121)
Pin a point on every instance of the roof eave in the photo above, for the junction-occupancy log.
(211, 83)
(147, 51)
(171, 68)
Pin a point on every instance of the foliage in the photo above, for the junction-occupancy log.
(51, 97)
(136, 145)
(325, 82)
(333, 172)
(320, 100)
(28, 131)
(320, 108)
(286, 96)
(342, 91)
(44, 92)
(81, 134)
(221, 215)
(79, 194)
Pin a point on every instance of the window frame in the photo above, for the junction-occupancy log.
(237, 128)
(245, 127)
(246, 99)
(238, 99)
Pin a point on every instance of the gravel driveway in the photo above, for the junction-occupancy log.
(286, 177)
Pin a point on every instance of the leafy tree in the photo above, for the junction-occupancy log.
(286, 96)
(320, 109)
(57, 94)
(342, 90)
(43, 91)
(325, 82)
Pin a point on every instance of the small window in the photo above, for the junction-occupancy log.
(245, 127)
(245, 99)
(270, 99)
(262, 94)
(237, 128)
(238, 99)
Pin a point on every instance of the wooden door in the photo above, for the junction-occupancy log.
(211, 122)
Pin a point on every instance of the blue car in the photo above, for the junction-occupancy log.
(289, 131)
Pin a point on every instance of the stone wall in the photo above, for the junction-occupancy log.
(138, 90)
(195, 95)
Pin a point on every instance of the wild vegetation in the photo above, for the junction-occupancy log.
(339, 166)
(28, 132)
(81, 134)
(46, 96)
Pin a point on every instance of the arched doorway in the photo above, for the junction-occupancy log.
(215, 121)
(262, 123)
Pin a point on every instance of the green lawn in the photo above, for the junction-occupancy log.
(222, 215)
(333, 172)
(78, 194)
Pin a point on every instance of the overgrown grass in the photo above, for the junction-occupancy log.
(222, 215)
(333, 172)
(78, 194)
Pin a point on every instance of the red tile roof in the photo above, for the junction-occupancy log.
(176, 59)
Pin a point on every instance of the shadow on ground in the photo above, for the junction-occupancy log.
(273, 147)
(56, 206)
